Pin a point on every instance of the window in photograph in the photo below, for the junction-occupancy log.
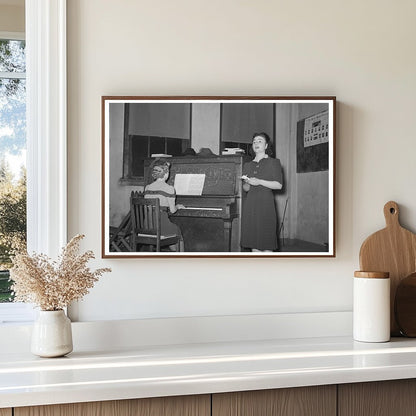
(142, 147)
(239, 121)
(153, 129)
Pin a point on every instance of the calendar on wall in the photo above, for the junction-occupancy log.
(316, 129)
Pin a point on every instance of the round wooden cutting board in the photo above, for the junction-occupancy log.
(393, 250)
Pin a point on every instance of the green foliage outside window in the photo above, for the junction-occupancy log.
(12, 223)
(12, 147)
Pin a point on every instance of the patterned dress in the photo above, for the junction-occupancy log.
(259, 216)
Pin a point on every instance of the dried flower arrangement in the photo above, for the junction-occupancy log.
(52, 285)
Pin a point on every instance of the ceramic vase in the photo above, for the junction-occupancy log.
(52, 334)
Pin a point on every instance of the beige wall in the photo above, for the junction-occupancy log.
(238, 47)
(12, 18)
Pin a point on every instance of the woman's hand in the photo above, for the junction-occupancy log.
(275, 185)
(180, 206)
(172, 206)
(253, 181)
(246, 186)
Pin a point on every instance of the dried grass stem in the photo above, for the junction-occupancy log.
(53, 285)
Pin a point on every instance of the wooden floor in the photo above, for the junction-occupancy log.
(292, 246)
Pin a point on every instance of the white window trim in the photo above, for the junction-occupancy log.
(46, 125)
(12, 35)
(46, 134)
(13, 75)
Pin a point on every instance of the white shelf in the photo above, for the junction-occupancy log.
(151, 371)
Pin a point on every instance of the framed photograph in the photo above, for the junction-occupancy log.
(218, 177)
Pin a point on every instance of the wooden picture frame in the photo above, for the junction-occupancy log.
(200, 145)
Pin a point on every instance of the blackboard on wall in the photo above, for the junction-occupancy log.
(312, 158)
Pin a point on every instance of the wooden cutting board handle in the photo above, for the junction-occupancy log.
(393, 250)
(391, 214)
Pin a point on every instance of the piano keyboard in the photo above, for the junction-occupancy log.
(203, 208)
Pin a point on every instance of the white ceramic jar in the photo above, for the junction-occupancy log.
(52, 334)
(371, 306)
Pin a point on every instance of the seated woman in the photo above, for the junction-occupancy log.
(167, 197)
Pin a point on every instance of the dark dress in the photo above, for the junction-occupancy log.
(259, 218)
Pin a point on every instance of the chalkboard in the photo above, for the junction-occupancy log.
(312, 158)
(219, 177)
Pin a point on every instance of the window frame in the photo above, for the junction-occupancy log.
(46, 118)
(128, 155)
(128, 177)
(12, 36)
(46, 125)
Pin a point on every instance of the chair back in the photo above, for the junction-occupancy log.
(145, 216)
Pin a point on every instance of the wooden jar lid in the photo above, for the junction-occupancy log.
(372, 275)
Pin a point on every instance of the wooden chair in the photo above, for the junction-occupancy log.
(120, 236)
(146, 224)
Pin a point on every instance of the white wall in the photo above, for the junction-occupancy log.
(362, 52)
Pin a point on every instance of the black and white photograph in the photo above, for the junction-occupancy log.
(218, 176)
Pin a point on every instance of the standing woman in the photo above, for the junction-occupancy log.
(261, 177)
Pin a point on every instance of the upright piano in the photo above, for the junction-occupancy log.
(210, 222)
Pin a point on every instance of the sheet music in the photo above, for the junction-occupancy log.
(189, 183)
